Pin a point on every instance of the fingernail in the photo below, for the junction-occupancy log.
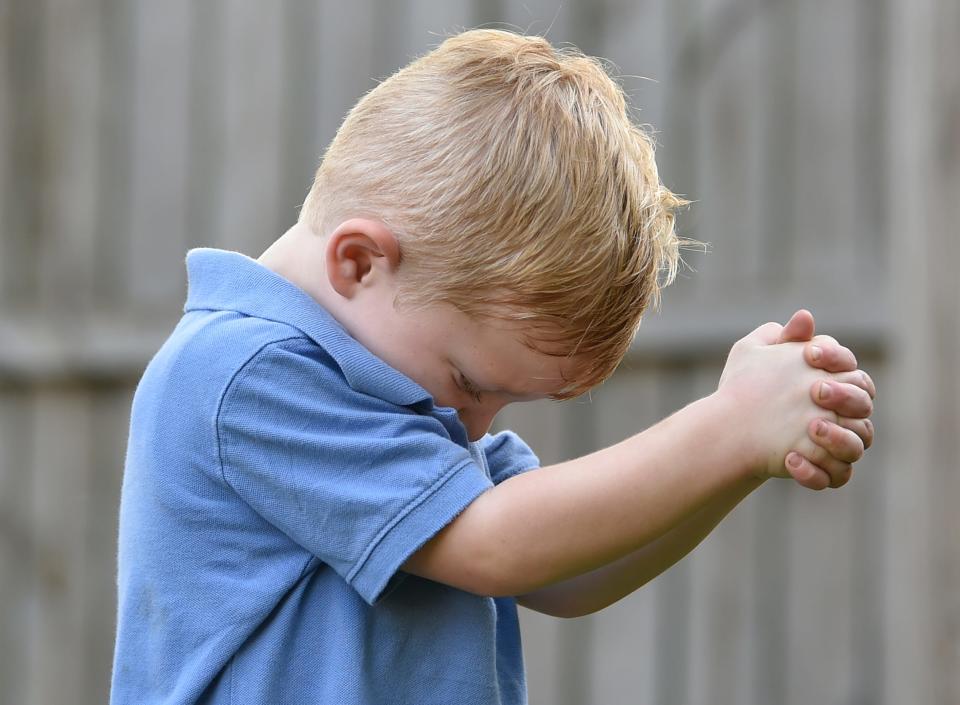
(869, 424)
(824, 390)
(821, 428)
(815, 352)
(794, 460)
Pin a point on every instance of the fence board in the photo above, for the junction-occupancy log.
(943, 293)
(251, 116)
(825, 178)
(6, 127)
(159, 153)
(16, 545)
(869, 488)
(730, 159)
(21, 218)
(71, 131)
(59, 471)
(779, 122)
(112, 249)
(872, 35)
(301, 91)
(819, 597)
(912, 630)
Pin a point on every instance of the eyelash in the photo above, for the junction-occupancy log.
(467, 387)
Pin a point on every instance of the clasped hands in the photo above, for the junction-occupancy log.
(838, 427)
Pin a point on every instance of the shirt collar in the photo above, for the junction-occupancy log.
(220, 280)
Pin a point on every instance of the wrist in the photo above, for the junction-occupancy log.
(734, 437)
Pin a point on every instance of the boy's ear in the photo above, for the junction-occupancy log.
(360, 252)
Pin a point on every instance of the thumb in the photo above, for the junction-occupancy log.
(799, 328)
(767, 334)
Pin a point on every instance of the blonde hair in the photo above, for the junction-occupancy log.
(518, 188)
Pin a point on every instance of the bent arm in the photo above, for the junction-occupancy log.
(568, 519)
(593, 591)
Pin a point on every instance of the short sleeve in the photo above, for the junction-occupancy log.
(507, 455)
(358, 481)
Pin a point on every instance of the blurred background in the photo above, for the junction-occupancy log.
(820, 142)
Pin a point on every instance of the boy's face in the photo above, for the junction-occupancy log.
(474, 366)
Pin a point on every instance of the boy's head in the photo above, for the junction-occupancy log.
(518, 189)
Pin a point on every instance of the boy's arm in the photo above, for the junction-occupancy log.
(572, 518)
(590, 592)
(560, 521)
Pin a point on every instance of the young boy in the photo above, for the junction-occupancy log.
(313, 510)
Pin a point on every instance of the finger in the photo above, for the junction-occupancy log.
(835, 473)
(839, 472)
(845, 399)
(806, 473)
(767, 334)
(826, 354)
(862, 427)
(799, 328)
(858, 378)
(838, 442)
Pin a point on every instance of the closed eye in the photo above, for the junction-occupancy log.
(469, 387)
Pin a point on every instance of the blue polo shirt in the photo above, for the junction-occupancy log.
(278, 474)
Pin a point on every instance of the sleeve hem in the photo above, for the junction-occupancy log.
(400, 539)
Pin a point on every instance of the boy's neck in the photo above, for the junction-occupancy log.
(298, 256)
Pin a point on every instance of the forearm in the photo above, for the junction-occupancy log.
(602, 587)
(571, 518)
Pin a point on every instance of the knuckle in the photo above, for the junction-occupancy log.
(841, 476)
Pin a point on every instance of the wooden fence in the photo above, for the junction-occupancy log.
(821, 143)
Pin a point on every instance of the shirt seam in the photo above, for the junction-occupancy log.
(224, 404)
